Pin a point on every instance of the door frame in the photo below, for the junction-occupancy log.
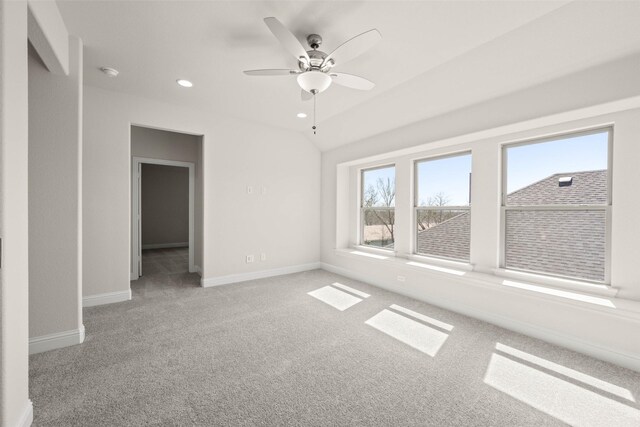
(136, 218)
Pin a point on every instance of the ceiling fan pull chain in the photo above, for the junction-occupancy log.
(314, 114)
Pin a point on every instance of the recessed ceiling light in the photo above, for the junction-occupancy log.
(184, 83)
(111, 72)
(301, 115)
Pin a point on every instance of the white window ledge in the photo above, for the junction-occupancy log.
(375, 250)
(557, 282)
(599, 297)
(457, 265)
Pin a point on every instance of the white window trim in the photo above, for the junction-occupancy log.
(361, 208)
(550, 278)
(414, 227)
(480, 274)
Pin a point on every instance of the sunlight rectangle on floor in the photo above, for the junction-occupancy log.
(350, 290)
(427, 319)
(335, 298)
(554, 396)
(571, 373)
(414, 334)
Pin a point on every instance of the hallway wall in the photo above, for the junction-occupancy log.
(165, 206)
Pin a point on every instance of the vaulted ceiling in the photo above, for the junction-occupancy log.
(435, 56)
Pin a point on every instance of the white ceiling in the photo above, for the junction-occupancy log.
(434, 56)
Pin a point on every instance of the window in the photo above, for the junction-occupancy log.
(555, 206)
(442, 201)
(377, 207)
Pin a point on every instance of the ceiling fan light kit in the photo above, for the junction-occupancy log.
(314, 81)
(314, 66)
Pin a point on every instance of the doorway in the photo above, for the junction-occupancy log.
(160, 219)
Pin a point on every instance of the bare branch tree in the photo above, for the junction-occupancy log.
(431, 217)
(370, 196)
(382, 195)
(387, 191)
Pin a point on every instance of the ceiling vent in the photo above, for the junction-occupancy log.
(565, 181)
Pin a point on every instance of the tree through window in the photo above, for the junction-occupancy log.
(442, 207)
(378, 207)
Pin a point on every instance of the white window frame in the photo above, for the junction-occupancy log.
(416, 207)
(362, 208)
(606, 208)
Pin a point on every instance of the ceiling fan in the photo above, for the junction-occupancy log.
(314, 72)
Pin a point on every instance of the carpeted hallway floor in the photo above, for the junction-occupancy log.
(266, 352)
(165, 261)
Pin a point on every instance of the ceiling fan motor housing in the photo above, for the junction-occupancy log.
(316, 57)
(314, 41)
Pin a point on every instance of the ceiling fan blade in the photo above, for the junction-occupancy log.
(351, 81)
(270, 72)
(305, 96)
(354, 47)
(288, 40)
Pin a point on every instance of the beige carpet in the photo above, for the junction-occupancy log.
(301, 350)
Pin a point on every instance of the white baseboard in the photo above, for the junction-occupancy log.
(56, 340)
(627, 360)
(243, 277)
(107, 298)
(166, 245)
(27, 415)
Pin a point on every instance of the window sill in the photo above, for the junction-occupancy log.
(375, 250)
(557, 282)
(458, 265)
(598, 297)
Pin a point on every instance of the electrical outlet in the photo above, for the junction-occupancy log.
(401, 278)
(249, 189)
(263, 256)
(249, 259)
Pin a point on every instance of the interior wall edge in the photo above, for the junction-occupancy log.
(49, 36)
(56, 340)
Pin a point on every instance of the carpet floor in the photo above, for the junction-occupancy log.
(303, 349)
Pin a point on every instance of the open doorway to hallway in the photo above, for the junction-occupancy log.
(164, 219)
(166, 203)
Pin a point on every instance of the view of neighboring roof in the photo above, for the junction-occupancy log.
(567, 243)
(449, 239)
(589, 187)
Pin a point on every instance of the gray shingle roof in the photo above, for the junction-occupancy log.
(449, 239)
(588, 187)
(566, 243)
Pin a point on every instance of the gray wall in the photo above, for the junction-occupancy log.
(166, 145)
(55, 204)
(165, 205)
